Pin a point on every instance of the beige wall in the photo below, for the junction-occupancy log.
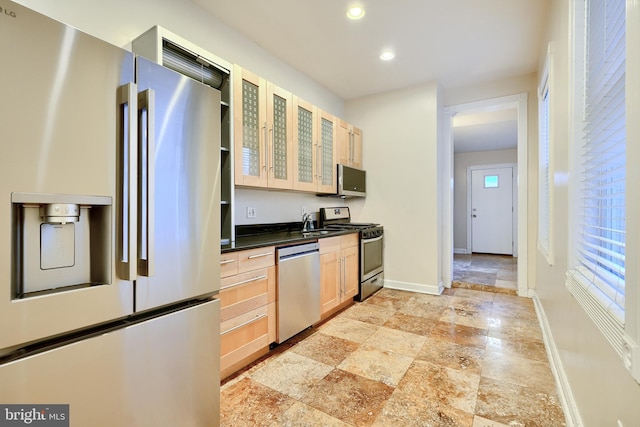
(603, 390)
(401, 157)
(460, 164)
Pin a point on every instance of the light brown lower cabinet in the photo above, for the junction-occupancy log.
(247, 309)
(338, 272)
(248, 296)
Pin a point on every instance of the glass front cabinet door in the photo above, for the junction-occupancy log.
(263, 132)
(327, 152)
(305, 146)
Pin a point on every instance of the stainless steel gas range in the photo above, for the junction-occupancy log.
(371, 248)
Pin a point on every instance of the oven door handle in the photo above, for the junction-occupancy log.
(375, 239)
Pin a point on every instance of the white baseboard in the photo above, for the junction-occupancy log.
(565, 395)
(414, 287)
(459, 250)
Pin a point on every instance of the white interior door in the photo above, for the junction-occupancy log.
(492, 210)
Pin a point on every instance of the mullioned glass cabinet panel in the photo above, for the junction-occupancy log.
(251, 129)
(305, 145)
(327, 152)
(280, 138)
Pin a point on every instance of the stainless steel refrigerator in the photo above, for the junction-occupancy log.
(109, 230)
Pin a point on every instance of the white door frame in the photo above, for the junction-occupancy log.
(519, 102)
(514, 214)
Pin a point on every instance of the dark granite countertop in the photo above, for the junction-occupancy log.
(256, 236)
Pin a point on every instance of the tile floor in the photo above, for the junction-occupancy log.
(465, 358)
(494, 273)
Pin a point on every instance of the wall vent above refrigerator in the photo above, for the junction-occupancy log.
(192, 65)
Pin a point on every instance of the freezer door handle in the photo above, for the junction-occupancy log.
(126, 181)
(146, 185)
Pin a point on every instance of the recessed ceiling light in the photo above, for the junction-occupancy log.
(387, 55)
(355, 12)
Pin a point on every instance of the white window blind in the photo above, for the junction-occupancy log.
(544, 170)
(602, 222)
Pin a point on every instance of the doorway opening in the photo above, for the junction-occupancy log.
(512, 269)
(486, 272)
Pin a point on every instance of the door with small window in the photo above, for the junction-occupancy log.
(492, 210)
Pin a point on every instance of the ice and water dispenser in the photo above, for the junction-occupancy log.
(60, 242)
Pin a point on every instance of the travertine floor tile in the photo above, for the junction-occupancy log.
(431, 395)
(473, 302)
(509, 368)
(382, 299)
(348, 329)
(348, 397)
(474, 294)
(515, 405)
(324, 348)
(301, 415)
(476, 276)
(248, 403)
(370, 313)
(291, 374)
(446, 353)
(507, 284)
(441, 385)
(514, 329)
(460, 334)
(399, 342)
(413, 324)
(524, 347)
(467, 315)
(375, 364)
(394, 293)
(431, 308)
(407, 410)
(483, 422)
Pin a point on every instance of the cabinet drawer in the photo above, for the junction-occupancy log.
(243, 335)
(256, 258)
(228, 264)
(246, 291)
(349, 240)
(329, 244)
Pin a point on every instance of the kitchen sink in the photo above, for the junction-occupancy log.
(314, 233)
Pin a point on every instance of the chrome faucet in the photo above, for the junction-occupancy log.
(307, 222)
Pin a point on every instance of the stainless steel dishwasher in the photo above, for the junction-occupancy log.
(298, 288)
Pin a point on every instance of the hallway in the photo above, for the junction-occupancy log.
(465, 358)
(486, 272)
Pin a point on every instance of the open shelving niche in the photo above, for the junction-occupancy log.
(167, 49)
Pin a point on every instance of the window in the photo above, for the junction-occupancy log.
(491, 181)
(544, 167)
(598, 277)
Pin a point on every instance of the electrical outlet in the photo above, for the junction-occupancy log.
(251, 212)
(303, 210)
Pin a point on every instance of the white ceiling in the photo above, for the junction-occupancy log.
(482, 131)
(456, 42)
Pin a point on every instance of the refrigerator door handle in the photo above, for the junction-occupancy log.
(126, 181)
(146, 193)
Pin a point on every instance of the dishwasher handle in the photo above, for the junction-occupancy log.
(295, 251)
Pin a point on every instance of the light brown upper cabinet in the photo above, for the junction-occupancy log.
(327, 152)
(263, 132)
(314, 148)
(349, 145)
(305, 145)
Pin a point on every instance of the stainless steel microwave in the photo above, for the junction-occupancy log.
(352, 182)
